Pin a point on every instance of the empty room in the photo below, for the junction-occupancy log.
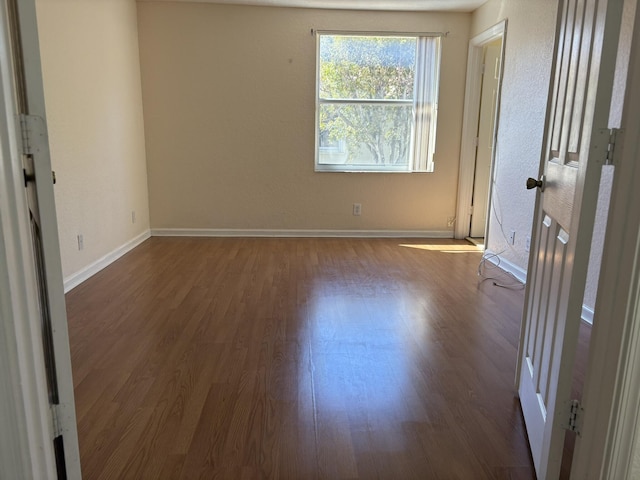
(318, 239)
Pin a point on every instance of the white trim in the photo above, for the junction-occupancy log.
(490, 34)
(77, 278)
(35, 106)
(470, 125)
(519, 273)
(87, 272)
(25, 431)
(587, 314)
(611, 393)
(223, 232)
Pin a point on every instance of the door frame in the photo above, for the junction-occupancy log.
(27, 416)
(470, 122)
(612, 386)
(24, 405)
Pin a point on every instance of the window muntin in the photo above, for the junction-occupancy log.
(377, 99)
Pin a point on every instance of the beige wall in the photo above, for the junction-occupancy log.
(228, 97)
(527, 69)
(91, 75)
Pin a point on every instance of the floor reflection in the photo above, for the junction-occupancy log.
(357, 348)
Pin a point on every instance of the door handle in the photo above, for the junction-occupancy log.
(533, 183)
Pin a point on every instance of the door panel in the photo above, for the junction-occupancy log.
(574, 153)
(559, 192)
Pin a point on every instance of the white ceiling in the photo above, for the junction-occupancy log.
(401, 5)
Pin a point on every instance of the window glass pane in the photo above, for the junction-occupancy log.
(365, 135)
(359, 67)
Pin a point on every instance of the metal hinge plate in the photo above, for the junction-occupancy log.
(24, 133)
(55, 421)
(33, 134)
(574, 416)
(611, 146)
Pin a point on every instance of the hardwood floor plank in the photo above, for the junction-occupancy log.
(297, 359)
(204, 458)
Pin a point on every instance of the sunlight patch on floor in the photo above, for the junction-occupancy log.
(446, 248)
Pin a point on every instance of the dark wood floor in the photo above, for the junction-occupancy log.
(297, 359)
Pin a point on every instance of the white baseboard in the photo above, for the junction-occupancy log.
(519, 273)
(223, 232)
(77, 278)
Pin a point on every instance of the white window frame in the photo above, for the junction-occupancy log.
(424, 105)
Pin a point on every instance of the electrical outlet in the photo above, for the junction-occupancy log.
(527, 243)
(80, 242)
(451, 221)
(357, 209)
(133, 216)
(511, 238)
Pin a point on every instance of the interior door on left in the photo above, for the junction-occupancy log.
(38, 184)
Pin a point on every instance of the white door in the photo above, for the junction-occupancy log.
(575, 149)
(38, 188)
(492, 54)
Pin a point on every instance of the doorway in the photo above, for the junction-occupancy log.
(480, 125)
(489, 92)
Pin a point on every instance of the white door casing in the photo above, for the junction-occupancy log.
(470, 125)
(576, 145)
(24, 423)
(47, 341)
(486, 136)
(612, 388)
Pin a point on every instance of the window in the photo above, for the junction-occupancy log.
(376, 102)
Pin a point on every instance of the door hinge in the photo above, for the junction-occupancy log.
(574, 416)
(32, 133)
(483, 68)
(611, 146)
(56, 422)
(471, 210)
(476, 141)
(24, 133)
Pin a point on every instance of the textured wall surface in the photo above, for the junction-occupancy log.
(91, 74)
(229, 101)
(527, 68)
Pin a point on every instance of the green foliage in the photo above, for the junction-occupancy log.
(365, 68)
